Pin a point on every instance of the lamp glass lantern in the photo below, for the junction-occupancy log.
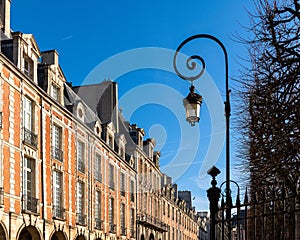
(192, 104)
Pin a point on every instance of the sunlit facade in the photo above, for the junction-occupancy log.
(72, 167)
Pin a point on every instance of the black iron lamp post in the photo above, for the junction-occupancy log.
(193, 102)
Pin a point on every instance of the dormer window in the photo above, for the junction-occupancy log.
(140, 140)
(108, 134)
(121, 141)
(122, 151)
(79, 110)
(55, 93)
(28, 66)
(80, 113)
(150, 151)
(97, 128)
(149, 146)
(110, 141)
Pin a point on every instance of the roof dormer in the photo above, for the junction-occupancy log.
(137, 135)
(121, 141)
(130, 159)
(149, 145)
(50, 75)
(29, 56)
(156, 157)
(97, 128)
(108, 133)
(79, 110)
(24, 52)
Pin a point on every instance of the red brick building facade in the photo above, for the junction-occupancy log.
(65, 171)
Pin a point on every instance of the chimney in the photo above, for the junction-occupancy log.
(50, 57)
(5, 16)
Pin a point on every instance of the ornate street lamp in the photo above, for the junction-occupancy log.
(193, 102)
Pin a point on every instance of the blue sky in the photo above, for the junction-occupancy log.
(88, 33)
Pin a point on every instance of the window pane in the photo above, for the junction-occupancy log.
(122, 184)
(111, 176)
(80, 156)
(111, 211)
(132, 191)
(57, 189)
(98, 173)
(57, 137)
(55, 92)
(29, 177)
(132, 219)
(98, 205)
(80, 151)
(122, 215)
(80, 197)
(27, 114)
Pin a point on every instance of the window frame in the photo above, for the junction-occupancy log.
(57, 199)
(111, 214)
(98, 167)
(81, 156)
(29, 168)
(111, 176)
(29, 200)
(122, 184)
(80, 203)
(122, 217)
(132, 190)
(28, 66)
(55, 92)
(28, 106)
(57, 142)
(98, 209)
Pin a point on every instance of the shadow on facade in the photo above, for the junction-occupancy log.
(29, 233)
(58, 235)
(2, 233)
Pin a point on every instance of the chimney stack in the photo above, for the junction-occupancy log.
(50, 57)
(5, 17)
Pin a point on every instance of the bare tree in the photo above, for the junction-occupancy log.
(270, 120)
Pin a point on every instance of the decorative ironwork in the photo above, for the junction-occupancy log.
(30, 138)
(132, 233)
(30, 204)
(81, 219)
(112, 228)
(58, 154)
(152, 222)
(190, 62)
(99, 224)
(266, 216)
(59, 212)
(123, 231)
